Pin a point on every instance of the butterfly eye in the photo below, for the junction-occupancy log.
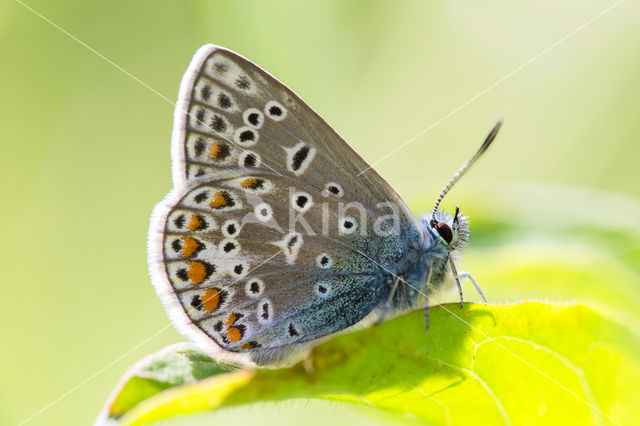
(444, 231)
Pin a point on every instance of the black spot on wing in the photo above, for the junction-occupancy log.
(201, 197)
(218, 124)
(206, 92)
(299, 157)
(179, 221)
(254, 118)
(196, 302)
(247, 136)
(292, 330)
(250, 160)
(275, 111)
(243, 82)
(224, 101)
(199, 146)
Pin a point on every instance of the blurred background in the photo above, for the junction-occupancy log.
(554, 205)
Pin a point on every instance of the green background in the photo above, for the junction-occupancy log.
(85, 157)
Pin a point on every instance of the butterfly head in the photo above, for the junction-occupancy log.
(452, 231)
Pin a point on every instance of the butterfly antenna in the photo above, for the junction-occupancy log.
(456, 177)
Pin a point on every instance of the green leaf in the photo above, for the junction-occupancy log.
(175, 365)
(496, 364)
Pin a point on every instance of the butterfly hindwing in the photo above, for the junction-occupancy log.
(261, 246)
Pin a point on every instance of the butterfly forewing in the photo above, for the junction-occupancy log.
(258, 246)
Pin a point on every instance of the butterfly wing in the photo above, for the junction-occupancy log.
(265, 244)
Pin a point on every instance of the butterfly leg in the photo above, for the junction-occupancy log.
(426, 301)
(387, 304)
(464, 275)
(426, 310)
(457, 277)
(307, 363)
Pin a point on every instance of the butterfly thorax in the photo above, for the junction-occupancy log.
(421, 254)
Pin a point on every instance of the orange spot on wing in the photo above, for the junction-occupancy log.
(252, 183)
(231, 320)
(234, 334)
(195, 223)
(249, 183)
(249, 345)
(215, 150)
(220, 199)
(189, 246)
(197, 272)
(211, 300)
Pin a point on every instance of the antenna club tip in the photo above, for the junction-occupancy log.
(491, 136)
(487, 142)
(497, 126)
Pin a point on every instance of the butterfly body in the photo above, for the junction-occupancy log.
(271, 240)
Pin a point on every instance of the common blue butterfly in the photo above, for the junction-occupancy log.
(271, 238)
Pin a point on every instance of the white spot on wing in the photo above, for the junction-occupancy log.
(253, 117)
(290, 245)
(347, 225)
(245, 136)
(324, 261)
(332, 188)
(301, 201)
(254, 287)
(263, 212)
(275, 111)
(264, 311)
(299, 157)
(322, 289)
(229, 247)
(230, 228)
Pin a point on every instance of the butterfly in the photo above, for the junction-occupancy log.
(272, 239)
